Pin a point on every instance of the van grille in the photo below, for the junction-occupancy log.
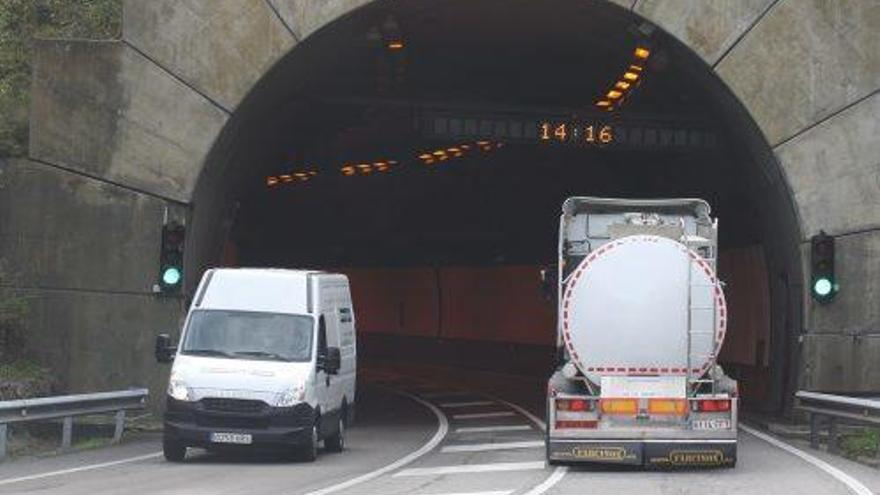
(242, 406)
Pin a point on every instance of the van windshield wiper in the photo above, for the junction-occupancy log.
(207, 352)
(262, 354)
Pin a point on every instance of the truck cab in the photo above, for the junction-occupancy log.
(266, 359)
(642, 317)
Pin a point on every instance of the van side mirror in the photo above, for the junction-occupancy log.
(164, 351)
(332, 361)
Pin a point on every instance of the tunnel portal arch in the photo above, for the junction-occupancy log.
(168, 121)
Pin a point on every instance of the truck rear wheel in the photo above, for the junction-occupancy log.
(172, 450)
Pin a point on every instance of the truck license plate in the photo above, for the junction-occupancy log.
(239, 438)
(711, 424)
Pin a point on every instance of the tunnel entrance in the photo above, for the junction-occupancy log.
(425, 148)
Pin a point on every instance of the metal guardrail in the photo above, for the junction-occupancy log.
(833, 410)
(67, 407)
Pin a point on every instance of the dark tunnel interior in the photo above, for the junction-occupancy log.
(374, 148)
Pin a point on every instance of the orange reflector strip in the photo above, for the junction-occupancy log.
(667, 406)
(619, 406)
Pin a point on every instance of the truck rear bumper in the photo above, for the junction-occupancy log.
(649, 453)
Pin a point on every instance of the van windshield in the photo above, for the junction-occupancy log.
(249, 335)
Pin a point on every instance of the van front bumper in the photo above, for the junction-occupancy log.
(192, 423)
(649, 453)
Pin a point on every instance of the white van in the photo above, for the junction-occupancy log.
(266, 359)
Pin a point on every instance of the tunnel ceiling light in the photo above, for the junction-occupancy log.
(622, 85)
(439, 153)
(603, 103)
(630, 76)
(425, 156)
(396, 45)
(635, 68)
(642, 52)
(614, 94)
(271, 181)
(348, 170)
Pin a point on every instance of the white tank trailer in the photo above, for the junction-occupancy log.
(641, 320)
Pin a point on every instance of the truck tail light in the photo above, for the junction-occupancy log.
(619, 406)
(574, 405)
(711, 405)
(676, 407)
(589, 423)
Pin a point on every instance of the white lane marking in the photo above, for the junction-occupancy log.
(483, 447)
(486, 429)
(525, 412)
(499, 414)
(550, 482)
(467, 404)
(90, 467)
(496, 492)
(853, 484)
(559, 472)
(471, 468)
(442, 430)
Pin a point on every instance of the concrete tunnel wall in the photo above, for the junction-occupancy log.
(120, 131)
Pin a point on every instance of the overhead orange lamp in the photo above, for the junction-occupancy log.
(439, 153)
(630, 76)
(614, 94)
(622, 85)
(642, 52)
(636, 68)
(603, 103)
(425, 156)
(348, 170)
(271, 181)
(396, 45)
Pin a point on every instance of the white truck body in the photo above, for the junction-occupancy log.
(251, 368)
(642, 318)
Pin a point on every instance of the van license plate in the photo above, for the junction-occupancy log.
(239, 438)
(711, 424)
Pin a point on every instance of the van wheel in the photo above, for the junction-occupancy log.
(336, 442)
(173, 451)
(309, 451)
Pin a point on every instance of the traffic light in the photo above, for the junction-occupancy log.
(171, 258)
(823, 284)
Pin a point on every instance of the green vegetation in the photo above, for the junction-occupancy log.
(20, 22)
(862, 444)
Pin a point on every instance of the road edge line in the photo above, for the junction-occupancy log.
(91, 467)
(853, 484)
(439, 435)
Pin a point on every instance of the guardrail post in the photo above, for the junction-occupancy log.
(833, 445)
(120, 425)
(3, 431)
(814, 430)
(66, 432)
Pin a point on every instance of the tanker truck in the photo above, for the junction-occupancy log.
(641, 320)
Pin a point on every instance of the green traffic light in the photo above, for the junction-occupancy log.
(823, 287)
(171, 275)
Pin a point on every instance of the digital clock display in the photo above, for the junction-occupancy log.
(586, 133)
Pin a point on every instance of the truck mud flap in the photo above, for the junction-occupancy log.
(671, 455)
(628, 453)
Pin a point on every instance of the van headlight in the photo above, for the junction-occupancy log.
(291, 396)
(178, 390)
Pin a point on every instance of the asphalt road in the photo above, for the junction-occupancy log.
(444, 443)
